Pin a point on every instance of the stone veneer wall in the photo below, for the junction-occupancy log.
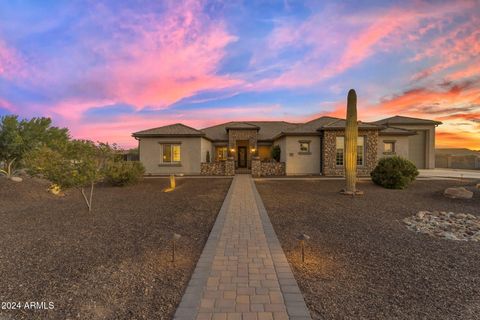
(218, 168)
(242, 134)
(329, 149)
(267, 168)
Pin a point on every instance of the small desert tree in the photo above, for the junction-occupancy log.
(80, 164)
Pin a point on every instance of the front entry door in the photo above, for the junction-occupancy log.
(242, 157)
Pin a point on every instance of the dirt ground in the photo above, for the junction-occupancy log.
(112, 263)
(363, 263)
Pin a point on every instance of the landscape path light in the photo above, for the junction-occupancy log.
(302, 238)
(175, 238)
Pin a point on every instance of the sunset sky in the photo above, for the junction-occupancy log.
(108, 68)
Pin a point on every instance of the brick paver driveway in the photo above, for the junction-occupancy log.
(242, 272)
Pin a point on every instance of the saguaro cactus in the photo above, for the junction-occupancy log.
(351, 137)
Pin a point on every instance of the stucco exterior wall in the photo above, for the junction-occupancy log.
(329, 148)
(190, 154)
(299, 163)
(401, 146)
(206, 145)
(430, 141)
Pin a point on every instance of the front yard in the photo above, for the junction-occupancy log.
(113, 263)
(362, 261)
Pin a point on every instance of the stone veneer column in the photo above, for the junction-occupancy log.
(329, 149)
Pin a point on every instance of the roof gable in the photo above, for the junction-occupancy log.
(342, 123)
(178, 129)
(406, 120)
(267, 130)
(312, 126)
(396, 131)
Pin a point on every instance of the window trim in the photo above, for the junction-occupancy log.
(393, 143)
(225, 154)
(343, 151)
(162, 152)
(308, 142)
(363, 150)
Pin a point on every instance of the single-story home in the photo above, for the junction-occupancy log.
(312, 148)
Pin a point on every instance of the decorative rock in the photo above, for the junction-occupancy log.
(421, 214)
(16, 179)
(303, 237)
(445, 225)
(458, 193)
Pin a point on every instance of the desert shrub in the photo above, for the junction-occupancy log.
(121, 173)
(19, 137)
(394, 173)
(276, 152)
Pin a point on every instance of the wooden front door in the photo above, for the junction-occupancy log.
(242, 157)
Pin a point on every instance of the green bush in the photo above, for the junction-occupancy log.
(275, 153)
(121, 173)
(394, 173)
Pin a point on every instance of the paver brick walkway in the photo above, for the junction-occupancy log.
(242, 272)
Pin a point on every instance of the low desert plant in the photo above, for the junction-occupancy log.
(8, 169)
(276, 152)
(121, 173)
(394, 173)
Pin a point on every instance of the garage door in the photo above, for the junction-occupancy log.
(417, 148)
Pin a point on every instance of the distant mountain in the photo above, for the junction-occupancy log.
(457, 151)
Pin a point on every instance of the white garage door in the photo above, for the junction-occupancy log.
(417, 148)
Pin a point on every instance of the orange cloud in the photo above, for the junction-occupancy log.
(464, 139)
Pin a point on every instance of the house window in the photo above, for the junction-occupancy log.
(360, 151)
(339, 154)
(170, 153)
(304, 146)
(221, 153)
(340, 151)
(389, 147)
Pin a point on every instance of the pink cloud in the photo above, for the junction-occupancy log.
(337, 43)
(457, 47)
(4, 104)
(11, 63)
(151, 60)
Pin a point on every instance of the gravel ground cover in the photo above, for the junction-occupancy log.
(113, 263)
(363, 263)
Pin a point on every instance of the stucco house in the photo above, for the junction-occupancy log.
(312, 148)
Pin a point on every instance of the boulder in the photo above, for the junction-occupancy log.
(458, 193)
(16, 179)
